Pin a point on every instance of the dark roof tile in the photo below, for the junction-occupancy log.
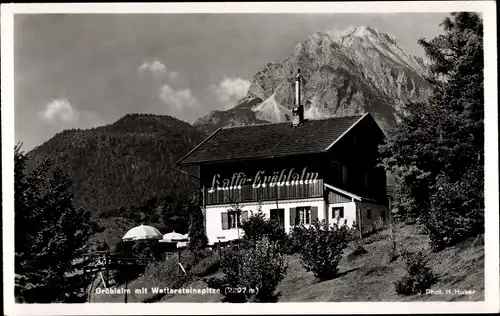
(269, 140)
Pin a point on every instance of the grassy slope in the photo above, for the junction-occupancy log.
(368, 277)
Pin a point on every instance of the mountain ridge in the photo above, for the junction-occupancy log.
(361, 70)
(124, 163)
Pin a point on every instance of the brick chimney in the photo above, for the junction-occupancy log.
(298, 109)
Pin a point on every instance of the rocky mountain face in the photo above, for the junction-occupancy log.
(362, 70)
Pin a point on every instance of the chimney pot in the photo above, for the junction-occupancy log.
(298, 108)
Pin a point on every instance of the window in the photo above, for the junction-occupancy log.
(303, 216)
(369, 214)
(382, 215)
(232, 219)
(337, 212)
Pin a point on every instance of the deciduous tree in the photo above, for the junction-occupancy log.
(438, 146)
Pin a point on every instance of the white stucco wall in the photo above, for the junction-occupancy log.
(349, 213)
(376, 211)
(213, 216)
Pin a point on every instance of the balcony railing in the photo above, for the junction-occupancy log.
(248, 193)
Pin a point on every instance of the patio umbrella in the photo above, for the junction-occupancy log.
(142, 232)
(174, 237)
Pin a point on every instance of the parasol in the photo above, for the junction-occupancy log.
(142, 232)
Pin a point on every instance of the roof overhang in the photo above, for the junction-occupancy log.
(353, 196)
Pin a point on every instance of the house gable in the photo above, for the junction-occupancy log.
(270, 140)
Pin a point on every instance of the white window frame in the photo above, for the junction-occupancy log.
(304, 215)
(337, 209)
(233, 218)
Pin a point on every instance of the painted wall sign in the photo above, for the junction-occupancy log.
(261, 179)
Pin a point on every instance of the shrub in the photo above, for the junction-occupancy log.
(207, 265)
(457, 210)
(295, 241)
(378, 225)
(231, 262)
(323, 247)
(258, 227)
(165, 273)
(257, 270)
(419, 277)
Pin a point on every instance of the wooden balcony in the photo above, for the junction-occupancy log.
(248, 193)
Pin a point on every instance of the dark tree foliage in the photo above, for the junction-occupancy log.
(197, 235)
(126, 163)
(436, 152)
(49, 232)
(125, 173)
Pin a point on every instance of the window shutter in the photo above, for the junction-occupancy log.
(292, 216)
(224, 220)
(341, 212)
(314, 214)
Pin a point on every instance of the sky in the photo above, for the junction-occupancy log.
(87, 70)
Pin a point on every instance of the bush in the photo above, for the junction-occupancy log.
(457, 210)
(231, 262)
(323, 247)
(295, 241)
(257, 270)
(207, 265)
(258, 227)
(419, 277)
(166, 273)
(378, 225)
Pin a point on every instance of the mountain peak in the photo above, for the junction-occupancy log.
(354, 71)
(363, 32)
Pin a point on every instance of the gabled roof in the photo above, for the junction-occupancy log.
(271, 140)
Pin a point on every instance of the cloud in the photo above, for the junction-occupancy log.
(178, 99)
(60, 110)
(173, 75)
(155, 66)
(230, 90)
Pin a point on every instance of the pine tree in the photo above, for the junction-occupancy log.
(49, 232)
(436, 151)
